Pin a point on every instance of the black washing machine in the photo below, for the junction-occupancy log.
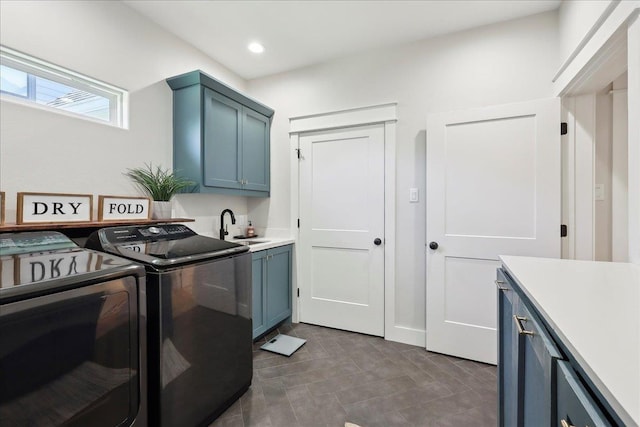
(72, 335)
(199, 324)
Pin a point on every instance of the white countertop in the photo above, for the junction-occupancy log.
(594, 307)
(265, 242)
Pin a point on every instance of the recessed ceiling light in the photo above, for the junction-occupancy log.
(256, 47)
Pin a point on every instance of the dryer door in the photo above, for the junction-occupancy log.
(72, 358)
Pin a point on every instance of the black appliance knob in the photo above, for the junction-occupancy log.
(433, 245)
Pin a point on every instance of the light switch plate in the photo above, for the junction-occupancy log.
(598, 192)
(413, 195)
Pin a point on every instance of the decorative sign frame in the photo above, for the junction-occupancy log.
(53, 208)
(2, 205)
(123, 208)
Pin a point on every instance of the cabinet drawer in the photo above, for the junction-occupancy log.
(575, 405)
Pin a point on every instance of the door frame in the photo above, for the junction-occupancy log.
(385, 114)
(612, 43)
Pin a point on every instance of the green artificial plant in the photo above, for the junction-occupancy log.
(158, 183)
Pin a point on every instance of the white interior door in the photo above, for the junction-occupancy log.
(341, 216)
(493, 188)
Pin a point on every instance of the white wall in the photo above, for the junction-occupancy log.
(48, 152)
(503, 63)
(576, 18)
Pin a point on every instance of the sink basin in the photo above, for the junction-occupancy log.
(252, 242)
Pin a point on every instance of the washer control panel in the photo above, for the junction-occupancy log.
(117, 235)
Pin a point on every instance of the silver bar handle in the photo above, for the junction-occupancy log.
(521, 329)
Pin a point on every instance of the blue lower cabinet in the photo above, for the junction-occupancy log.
(271, 288)
(526, 363)
(575, 406)
(537, 384)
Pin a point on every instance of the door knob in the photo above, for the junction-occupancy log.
(433, 245)
(377, 241)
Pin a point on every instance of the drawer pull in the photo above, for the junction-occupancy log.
(501, 288)
(521, 329)
(564, 423)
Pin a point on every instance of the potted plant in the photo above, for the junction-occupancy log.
(161, 185)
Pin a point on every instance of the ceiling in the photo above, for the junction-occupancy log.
(301, 33)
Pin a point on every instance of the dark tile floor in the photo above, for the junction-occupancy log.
(339, 377)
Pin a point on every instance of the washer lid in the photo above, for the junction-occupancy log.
(161, 245)
(47, 261)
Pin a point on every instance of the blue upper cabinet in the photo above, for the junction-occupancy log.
(221, 138)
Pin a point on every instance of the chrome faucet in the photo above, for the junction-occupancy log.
(223, 231)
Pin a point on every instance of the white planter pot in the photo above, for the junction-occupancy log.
(161, 210)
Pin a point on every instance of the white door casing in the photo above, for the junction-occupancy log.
(341, 215)
(493, 188)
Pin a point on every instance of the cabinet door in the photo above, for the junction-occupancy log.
(278, 285)
(258, 292)
(255, 151)
(222, 136)
(575, 405)
(537, 355)
(507, 353)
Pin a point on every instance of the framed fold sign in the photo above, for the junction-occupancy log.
(51, 208)
(123, 208)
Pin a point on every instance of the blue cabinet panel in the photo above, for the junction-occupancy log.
(575, 405)
(537, 355)
(278, 285)
(187, 125)
(255, 151)
(507, 353)
(222, 131)
(271, 288)
(258, 288)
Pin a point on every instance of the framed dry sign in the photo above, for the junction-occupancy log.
(112, 208)
(48, 208)
(2, 204)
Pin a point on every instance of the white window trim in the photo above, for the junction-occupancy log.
(118, 97)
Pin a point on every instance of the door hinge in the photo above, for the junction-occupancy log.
(563, 128)
(298, 292)
(298, 222)
(563, 230)
(299, 152)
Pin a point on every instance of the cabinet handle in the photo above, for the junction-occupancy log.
(521, 329)
(501, 288)
(564, 423)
